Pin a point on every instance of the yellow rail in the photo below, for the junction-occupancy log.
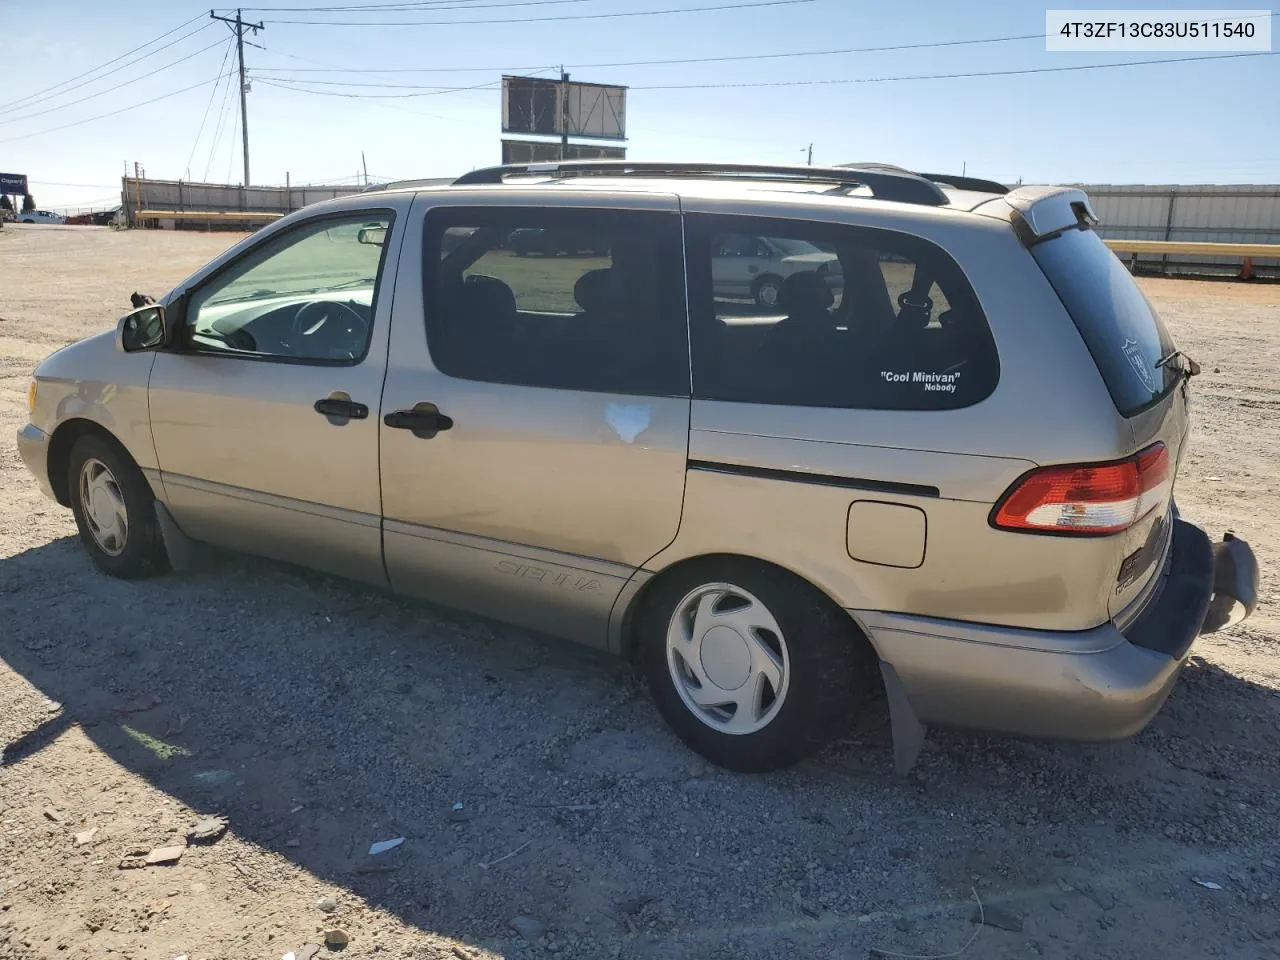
(1196, 249)
(232, 216)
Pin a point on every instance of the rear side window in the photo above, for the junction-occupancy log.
(824, 315)
(1121, 329)
(569, 299)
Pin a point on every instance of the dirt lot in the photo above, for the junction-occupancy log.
(318, 718)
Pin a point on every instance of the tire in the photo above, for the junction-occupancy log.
(114, 510)
(818, 655)
(766, 291)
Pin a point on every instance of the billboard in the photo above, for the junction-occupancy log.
(535, 151)
(538, 106)
(13, 183)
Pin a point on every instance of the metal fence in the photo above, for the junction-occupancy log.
(178, 197)
(1247, 213)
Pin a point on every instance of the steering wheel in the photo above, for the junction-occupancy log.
(328, 329)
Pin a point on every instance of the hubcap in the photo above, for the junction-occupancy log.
(768, 294)
(728, 658)
(102, 504)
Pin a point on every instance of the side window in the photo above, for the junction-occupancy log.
(306, 296)
(569, 299)
(839, 316)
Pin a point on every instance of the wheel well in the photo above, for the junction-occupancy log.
(60, 444)
(755, 284)
(630, 641)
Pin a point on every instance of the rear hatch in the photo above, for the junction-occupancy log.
(1146, 378)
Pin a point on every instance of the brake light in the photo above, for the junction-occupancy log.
(1089, 498)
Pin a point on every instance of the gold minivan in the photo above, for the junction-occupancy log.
(937, 460)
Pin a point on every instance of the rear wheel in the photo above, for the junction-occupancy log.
(114, 510)
(753, 668)
(766, 292)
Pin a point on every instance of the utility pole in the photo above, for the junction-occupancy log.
(364, 163)
(240, 26)
(564, 115)
(811, 154)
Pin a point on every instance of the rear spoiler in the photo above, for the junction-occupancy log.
(1041, 213)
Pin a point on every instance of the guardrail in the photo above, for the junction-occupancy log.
(1247, 252)
(212, 216)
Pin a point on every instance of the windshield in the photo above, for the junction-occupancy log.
(793, 248)
(1118, 324)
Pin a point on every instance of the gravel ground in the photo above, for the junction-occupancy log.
(318, 717)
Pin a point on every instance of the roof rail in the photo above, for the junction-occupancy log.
(976, 184)
(884, 185)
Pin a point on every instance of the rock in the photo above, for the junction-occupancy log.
(528, 928)
(164, 855)
(86, 836)
(336, 939)
(212, 779)
(52, 814)
(1002, 919)
(327, 904)
(1103, 898)
(207, 830)
(309, 951)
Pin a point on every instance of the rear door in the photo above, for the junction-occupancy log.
(536, 409)
(1135, 356)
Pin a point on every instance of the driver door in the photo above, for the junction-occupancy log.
(265, 418)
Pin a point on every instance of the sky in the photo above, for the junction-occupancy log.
(1191, 122)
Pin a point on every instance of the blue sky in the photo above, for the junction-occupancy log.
(1180, 123)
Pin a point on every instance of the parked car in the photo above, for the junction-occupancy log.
(40, 216)
(551, 243)
(755, 267)
(953, 482)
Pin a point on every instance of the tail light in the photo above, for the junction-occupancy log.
(1088, 499)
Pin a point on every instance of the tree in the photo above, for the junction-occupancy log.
(28, 203)
(6, 203)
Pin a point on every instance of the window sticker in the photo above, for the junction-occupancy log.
(1139, 363)
(928, 381)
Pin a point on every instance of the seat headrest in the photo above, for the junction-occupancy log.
(805, 293)
(488, 299)
(597, 290)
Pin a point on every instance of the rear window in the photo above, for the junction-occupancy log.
(1120, 328)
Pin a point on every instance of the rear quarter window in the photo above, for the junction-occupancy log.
(812, 314)
(1122, 330)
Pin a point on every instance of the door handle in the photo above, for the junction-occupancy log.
(344, 409)
(424, 420)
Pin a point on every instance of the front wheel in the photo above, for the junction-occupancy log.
(114, 510)
(753, 668)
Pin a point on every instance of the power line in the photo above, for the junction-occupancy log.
(578, 16)
(111, 113)
(946, 76)
(40, 96)
(92, 96)
(426, 91)
(431, 5)
(217, 131)
(668, 62)
(213, 95)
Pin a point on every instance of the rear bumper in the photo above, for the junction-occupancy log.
(33, 448)
(1098, 684)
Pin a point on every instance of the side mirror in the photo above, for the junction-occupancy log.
(376, 236)
(141, 329)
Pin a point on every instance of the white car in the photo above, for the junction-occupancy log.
(40, 216)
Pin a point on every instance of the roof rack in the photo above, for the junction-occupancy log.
(946, 179)
(883, 184)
